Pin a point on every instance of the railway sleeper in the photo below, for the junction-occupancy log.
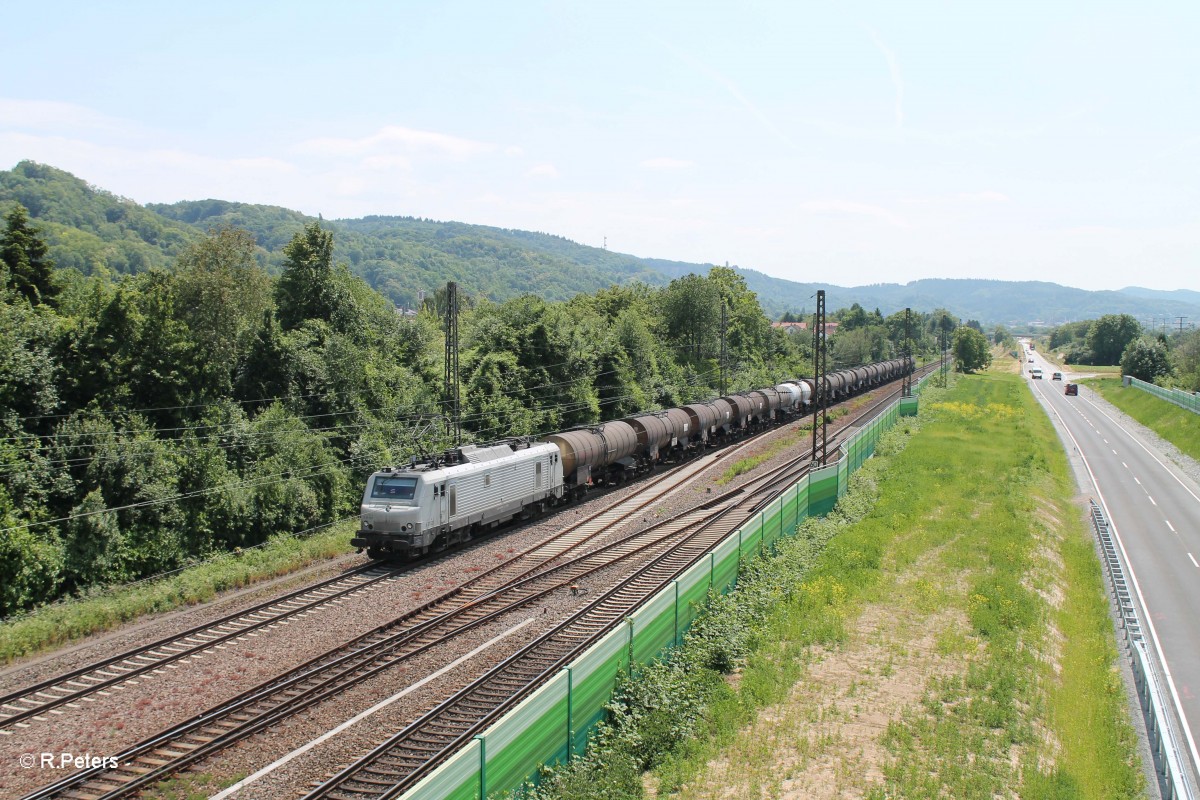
(388, 782)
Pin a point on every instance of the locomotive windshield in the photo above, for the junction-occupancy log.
(393, 488)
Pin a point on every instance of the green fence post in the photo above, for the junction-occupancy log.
(570, 720)
(676, 612)
(482, 766)
(629, 625)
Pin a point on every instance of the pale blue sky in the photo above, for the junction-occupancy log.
(852, 143)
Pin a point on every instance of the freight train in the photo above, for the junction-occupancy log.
(446, 500)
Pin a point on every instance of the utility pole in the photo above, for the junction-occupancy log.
(945, 349)
(820, 385)
(450, 389)
(906, 387)
(724, 323)
(1181, 320)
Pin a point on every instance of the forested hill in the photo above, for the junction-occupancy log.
(93, 230)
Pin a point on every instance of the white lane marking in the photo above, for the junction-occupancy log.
(1152, 500)
(1137, 587)
(1136, 441)
(1193, 558)
(1126, 466)
(1105, 440)
(1169, 525)
(1135, 480)
(1114, 452)
(382, 704)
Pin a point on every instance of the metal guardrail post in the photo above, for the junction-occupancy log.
(1168, 756)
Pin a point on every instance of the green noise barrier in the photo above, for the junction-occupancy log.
(553, 723)
(1183, 399)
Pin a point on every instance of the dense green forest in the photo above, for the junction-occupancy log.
(95, 231)
(151, 419)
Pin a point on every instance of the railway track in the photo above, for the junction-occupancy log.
(46, 697)
(398, 763)
(535, 573)
(387, 646)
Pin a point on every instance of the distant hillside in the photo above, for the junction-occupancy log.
(1181, 295)
(91, 229)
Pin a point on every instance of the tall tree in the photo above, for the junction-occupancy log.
(692, 311)
(28, 267)
(222, 296)
(971, 350)
(307, 289)
(1110, 335)
(1145, 359)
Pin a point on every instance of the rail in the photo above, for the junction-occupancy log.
(1169, 756)
(552, 722)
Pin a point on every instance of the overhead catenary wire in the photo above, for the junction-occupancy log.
(258, 481)
(233, 426)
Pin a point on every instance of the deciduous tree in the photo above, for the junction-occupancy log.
(971, 351)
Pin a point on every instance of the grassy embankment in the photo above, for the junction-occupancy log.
(65, 621)
(1177, 425)
(945, 633)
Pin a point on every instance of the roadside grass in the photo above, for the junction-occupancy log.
(944, 633)
(1104, 371)
(1177, 425)
(65, 621)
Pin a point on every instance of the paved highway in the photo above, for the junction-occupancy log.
(1154, 510)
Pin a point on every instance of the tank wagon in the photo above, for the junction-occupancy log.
(443, 501)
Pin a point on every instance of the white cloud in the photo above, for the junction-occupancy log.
(543, 171)
(387, 162)
(392, 139)
(666, 164)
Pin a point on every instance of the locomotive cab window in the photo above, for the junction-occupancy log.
(394, 488)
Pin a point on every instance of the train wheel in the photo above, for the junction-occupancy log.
(374, 552)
